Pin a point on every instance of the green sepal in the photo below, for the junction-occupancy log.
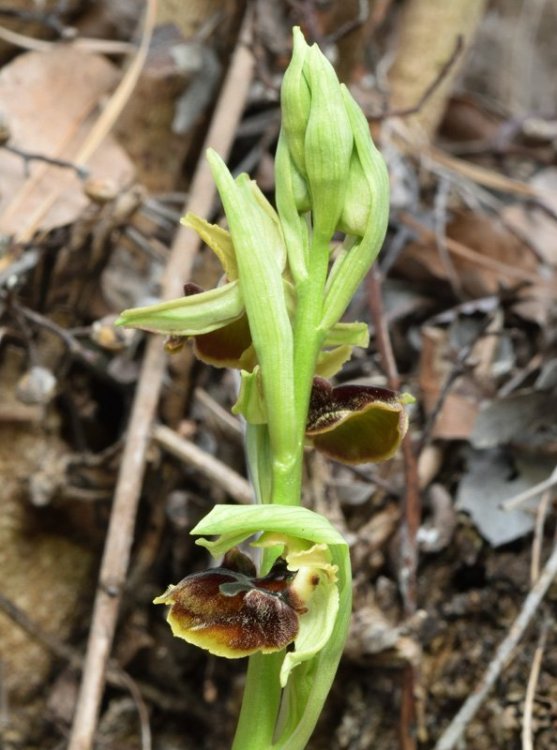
(188, 316)
(354, 334)
(296, 100)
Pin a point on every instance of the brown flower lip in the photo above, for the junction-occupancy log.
(355, 423)
(231, 613)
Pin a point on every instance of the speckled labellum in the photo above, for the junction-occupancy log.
(230, 612)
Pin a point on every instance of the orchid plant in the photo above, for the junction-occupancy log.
(277, 317)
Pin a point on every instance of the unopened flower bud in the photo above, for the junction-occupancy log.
(328, 145)
(295, 100)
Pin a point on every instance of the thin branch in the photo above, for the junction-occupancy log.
(537, 543)
(527, 733)
(537, 489)
(430, 90)
(225, 421)
(211, 468)
(453, 733)
(116, 676)
(101, 46)
(410, 508)
(120, 533)
(28, 156)
(73, 345)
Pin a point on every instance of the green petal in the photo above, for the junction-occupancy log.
(316, 627)
(355, 334)
(218, 239)
(330, 362)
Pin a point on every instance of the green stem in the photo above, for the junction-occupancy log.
(308, 338)
(260, 703)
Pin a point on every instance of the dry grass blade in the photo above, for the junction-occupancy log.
(482, 175)
(120, 533)
(103, 46)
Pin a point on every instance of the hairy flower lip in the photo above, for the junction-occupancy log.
(356, 423)
(231, 613)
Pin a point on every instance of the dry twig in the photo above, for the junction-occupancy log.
(541, 514)
(101, 46)
(452, 734)
(411, 509)
(426, 235)
(527, 743)
(522, 497)
(120, 532)
(115, 675)
(223, 476)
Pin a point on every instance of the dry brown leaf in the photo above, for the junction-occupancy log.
(428, 30)
(494, 258)
(534, 222)
(461, 405)
(47, 99)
